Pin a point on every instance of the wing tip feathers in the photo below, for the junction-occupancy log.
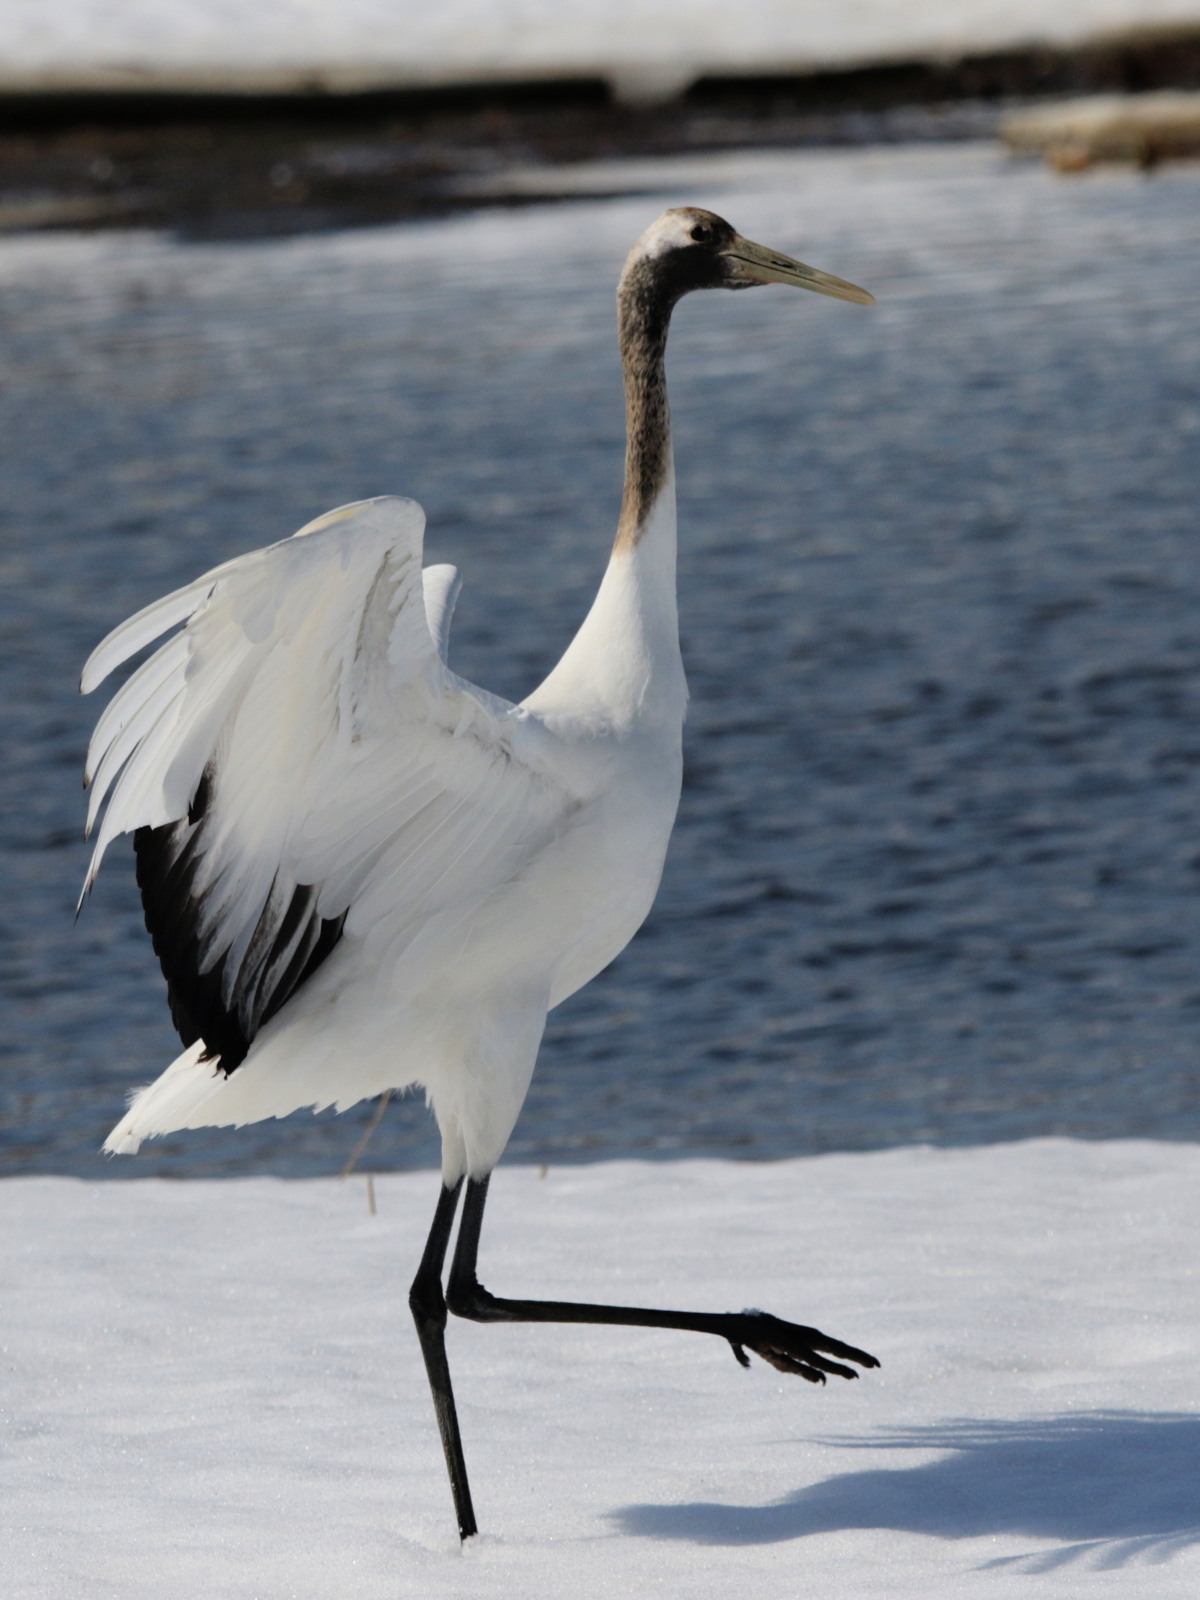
(166, 1104)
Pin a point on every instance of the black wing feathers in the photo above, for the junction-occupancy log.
(289, 942)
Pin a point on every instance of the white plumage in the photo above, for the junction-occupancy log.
(488, 858)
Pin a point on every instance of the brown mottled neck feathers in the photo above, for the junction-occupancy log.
(644, 305)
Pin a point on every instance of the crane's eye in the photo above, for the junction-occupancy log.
(702, 233)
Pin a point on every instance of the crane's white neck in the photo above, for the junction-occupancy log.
(623, 668)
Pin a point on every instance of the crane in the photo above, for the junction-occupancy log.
(362, 873)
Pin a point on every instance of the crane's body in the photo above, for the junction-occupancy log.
(487, 859)
(363, 873)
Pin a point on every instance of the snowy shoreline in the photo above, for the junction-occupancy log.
(340, 46)
(213, 1388)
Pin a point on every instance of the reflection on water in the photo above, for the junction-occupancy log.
(937, 870)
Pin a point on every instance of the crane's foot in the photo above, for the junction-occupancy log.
(790, 1348)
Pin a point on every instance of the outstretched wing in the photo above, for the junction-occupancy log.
(299, 747)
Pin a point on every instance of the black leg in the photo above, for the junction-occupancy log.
(428, 1305)
(786, 1346)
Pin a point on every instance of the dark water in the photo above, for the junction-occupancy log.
(937, 870)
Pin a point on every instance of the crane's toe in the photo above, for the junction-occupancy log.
(790, 1348)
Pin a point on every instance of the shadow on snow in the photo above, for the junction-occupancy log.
(1108, 1487)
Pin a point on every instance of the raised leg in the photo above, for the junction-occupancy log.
(428, 1305)
(786, 1346)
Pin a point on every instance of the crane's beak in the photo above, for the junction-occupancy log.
(754, 263)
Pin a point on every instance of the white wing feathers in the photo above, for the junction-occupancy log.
(331, 762)
(442, 585)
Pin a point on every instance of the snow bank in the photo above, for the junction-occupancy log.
(340, 44)
(213, 1389)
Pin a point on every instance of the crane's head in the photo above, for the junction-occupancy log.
(688, 248)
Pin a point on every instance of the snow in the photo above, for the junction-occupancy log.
(278, 44)
(213, 1389)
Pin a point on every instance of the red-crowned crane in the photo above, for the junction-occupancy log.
(361, 872)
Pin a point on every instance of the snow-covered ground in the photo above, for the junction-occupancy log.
(212, 1389)
(641, 48)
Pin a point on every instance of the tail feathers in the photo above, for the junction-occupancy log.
(171, 1101)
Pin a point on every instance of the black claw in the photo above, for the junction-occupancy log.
(835, 1347)
(740, 1355)
(790, 1348)
(838, 1370)
(800, 1366)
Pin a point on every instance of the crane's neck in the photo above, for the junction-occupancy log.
(644, 309)
(623, 669)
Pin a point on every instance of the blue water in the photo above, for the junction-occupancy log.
(937, 869)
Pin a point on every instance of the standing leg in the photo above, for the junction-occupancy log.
(428, 1306)
(784, 1345)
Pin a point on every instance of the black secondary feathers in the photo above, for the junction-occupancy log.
(289, 942)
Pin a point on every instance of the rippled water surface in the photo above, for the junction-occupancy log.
(937, 868)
